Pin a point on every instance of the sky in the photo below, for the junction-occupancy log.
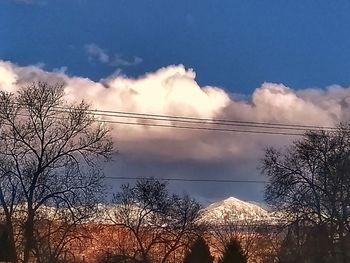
(266, 61)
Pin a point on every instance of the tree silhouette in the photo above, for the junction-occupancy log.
(199, 252)
(49, 158)
(154, 219)
(6, 251)
(309, 183)
(305, 244)
(233, 253)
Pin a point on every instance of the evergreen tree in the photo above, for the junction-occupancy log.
(199, 253)
(233, 253)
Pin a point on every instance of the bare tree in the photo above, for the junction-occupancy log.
(309, 183)
(57, 232)
(255, 236)
(49, 153)
(160, 224)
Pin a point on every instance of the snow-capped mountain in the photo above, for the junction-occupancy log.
(230, 210)
(235, 210)
(222, 212)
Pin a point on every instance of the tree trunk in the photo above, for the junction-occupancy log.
(11, 238)
(343, 247)
(28, 236)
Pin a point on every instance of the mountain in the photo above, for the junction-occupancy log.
(222, 212)
(235, 210)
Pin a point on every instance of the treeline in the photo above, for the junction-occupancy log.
(199, 252)
(152, 225)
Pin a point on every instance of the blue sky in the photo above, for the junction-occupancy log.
(237, 45)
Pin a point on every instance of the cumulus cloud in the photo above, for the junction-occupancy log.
(116, 60)
(173, 90)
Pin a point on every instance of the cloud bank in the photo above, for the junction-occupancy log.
(173, 90)
(169, 152)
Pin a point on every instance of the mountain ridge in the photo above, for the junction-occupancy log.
(233, 209)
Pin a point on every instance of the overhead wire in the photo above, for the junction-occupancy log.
(186, 122)
(109, 113)
(213, 122)
(186, 179)
(201, 128)
(184, 127)
(255, 127)
(198, 120)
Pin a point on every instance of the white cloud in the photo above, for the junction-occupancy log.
(8, 77)
(116, 60)
(173, 90)
(119, 61)
(95, 52)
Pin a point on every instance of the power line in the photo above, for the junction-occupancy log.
(109, 113)
(182, 127)
(198, 120)
(213, 122)
(201, 128)
(187, 179)
(193, 120)
(170, 117)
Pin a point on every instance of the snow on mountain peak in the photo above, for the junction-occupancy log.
(233, 209)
